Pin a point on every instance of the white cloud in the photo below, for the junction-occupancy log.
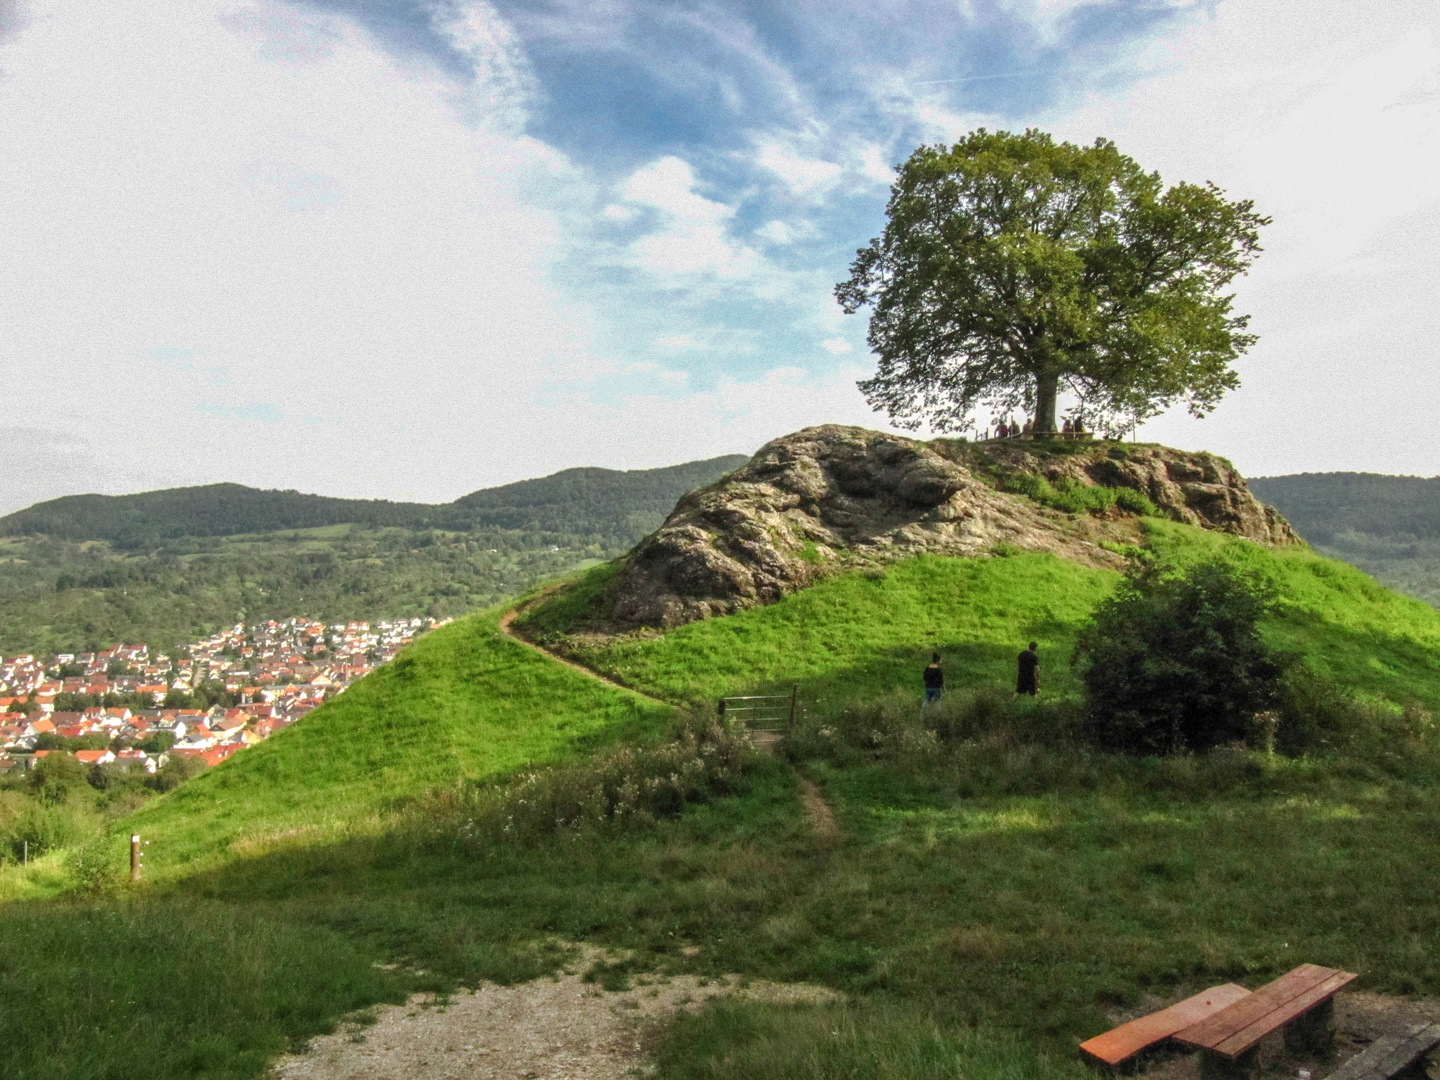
(836, 346)
(804, 176)
(310, 217)
(693, 234)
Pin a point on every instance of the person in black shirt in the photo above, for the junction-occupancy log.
(1027, 678)
(934, 680)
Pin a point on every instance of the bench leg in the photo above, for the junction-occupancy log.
(1312, 1032)
(1215, 1066)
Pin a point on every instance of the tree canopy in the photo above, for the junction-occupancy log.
(1013, 268)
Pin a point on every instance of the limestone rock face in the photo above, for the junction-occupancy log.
(832, 498)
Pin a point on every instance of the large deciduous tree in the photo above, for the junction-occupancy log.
(1013, 268)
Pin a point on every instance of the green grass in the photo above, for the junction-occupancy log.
(995, 894)
(134, 991)
(461, 702)
(861, 636)
(858, 636)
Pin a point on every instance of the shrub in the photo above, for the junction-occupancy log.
(1175, 661)
(55, 777)
(39, 829)
(1137, 502)
(173, 773)
(619, 789)
(1317, 714)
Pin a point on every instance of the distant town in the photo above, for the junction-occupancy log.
(109, 708)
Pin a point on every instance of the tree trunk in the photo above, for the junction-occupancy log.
(1047, 389)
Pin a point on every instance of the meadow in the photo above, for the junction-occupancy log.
(997, 890)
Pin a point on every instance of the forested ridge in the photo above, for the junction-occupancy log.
(1388, 526)
(168, 567)
(605, 504)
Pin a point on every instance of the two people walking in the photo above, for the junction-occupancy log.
(1027, 675)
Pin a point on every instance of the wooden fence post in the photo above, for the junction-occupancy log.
(134, 856)
(794, 699)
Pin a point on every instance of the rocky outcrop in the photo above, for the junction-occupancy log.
(1197, 488)
(832, 498)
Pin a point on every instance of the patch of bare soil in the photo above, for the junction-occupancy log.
(550, 1029)
(1360, 1019)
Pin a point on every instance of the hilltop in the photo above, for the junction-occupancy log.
(829, 499)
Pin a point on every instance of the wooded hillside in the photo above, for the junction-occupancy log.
(1388, 526)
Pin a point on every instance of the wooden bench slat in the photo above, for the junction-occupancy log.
(1238, 1027)
(1282, 1014)
(1215, 1029)
(1130, 1038)
(1391, 1055)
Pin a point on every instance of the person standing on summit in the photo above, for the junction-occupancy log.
(934, 680)
(1027, 676)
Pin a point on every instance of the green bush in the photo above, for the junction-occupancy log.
(1317, 714)
(1174, 661)
(56, 777)
(1136, 502)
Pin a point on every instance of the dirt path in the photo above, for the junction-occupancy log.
(822, 820)
(509, 617)
(559, 1029)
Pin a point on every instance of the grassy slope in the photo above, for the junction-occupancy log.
(1023, 891)
(861, 637)
(463, 701)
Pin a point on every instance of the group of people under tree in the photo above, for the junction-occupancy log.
(1027, 675)
(1009, 429)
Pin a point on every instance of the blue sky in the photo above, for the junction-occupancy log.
(408, 248)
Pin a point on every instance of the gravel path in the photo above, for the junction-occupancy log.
(549, 1029)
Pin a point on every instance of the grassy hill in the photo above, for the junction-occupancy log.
(169, 567)
(997, 891)
(863, 636)
(1388, 526)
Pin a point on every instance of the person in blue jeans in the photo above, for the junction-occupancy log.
(934, 680)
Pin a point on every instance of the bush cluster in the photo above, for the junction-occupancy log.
(1174, 661)
(622, 788)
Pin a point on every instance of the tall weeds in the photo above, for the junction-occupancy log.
(619, 789)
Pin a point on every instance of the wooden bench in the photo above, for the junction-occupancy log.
(1391, 1056)
(1120, 1044)
(1301, 1001)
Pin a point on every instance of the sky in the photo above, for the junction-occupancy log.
(411, 248)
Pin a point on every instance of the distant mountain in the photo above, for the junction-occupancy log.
(1388, 526)
(1321, 505)
(613, 507)
(168, 567)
